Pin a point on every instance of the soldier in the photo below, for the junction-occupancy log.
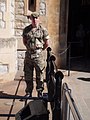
(36, 40)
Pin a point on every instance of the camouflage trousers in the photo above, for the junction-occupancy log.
(29, 66)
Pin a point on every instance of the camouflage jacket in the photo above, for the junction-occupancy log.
(35, 38)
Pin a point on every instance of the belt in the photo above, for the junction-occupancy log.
(38, 48)
(33, 49)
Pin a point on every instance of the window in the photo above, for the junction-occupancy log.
(30, 6)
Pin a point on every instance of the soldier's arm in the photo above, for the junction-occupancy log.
(24, 41)
(46, 44)
(24, 35)
(46, 39)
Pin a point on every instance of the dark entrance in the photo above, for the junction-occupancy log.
(79, 34)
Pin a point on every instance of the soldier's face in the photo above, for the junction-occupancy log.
(35, 21)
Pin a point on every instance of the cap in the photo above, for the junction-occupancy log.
(34, 14)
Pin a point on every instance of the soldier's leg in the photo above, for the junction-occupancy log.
(39, 82)
(39, 79)
(39, 67)
(28, 73)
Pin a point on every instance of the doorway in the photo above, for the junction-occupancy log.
(79, 35)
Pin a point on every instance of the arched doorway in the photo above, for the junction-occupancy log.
(79, 34)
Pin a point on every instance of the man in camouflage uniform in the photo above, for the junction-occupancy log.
(35, 38)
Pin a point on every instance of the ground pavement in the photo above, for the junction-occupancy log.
(78, 82)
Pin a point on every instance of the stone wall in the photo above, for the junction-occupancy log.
(21, 21)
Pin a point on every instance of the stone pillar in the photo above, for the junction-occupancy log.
(53, 14)
(8, 43)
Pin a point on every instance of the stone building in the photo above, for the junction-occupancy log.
(60, 17)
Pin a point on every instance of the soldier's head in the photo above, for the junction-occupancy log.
(34, 17)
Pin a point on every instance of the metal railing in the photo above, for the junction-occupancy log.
(64, 107)
(69, 108)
